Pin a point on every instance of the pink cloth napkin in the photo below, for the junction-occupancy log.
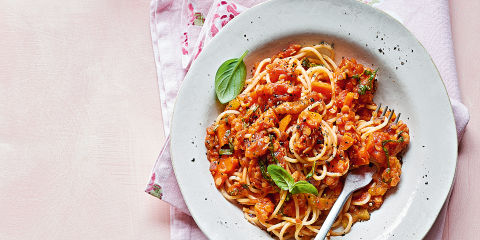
(180, 30)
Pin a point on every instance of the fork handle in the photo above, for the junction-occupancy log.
(334, 211)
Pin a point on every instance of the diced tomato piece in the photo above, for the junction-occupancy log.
(290, 51)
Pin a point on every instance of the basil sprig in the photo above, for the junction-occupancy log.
(230, 79)
(285, 181)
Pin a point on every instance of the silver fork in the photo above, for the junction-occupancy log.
(384, 111)
(355, 180)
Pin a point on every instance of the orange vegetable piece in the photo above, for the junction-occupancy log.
(346, 142)
(226, 166)
(234, 104)
(221, 134)
(349, 99)
(324, 203)
(312, 119)
(323, 88)
(284, 123)
(264, 208)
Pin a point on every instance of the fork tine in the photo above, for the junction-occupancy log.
(374, 114)
(384, 111)
(390, 116)
(397, 118)
(376, 110)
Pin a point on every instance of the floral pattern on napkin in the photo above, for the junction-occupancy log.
(195, 35)
(153, 188)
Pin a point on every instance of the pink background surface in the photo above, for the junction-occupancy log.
(80, 121)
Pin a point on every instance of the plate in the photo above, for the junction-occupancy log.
(408, 82)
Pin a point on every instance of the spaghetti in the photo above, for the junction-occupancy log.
(315, 119)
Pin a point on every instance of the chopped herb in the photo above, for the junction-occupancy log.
(228, 151)
(310, 174)
(356, 77)
(270, 148)
(255, 109)
(384, 142)
(307, 64)
(245, 186)
(281, 210)
(234, 192)
(362, 89)
(225, 151)
(245, 125)
(287, 198)
(262, 163)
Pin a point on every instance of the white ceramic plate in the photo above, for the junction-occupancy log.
(408, 82)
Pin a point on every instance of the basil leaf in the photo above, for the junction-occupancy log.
(281, 177)
(230, 78)
(262, 163)
(304, 187)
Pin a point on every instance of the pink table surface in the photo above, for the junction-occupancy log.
(80, 121)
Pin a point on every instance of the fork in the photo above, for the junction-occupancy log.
(355, 180)
(384, 111)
